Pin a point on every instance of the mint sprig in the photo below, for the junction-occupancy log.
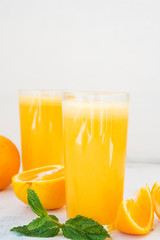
(78, 228)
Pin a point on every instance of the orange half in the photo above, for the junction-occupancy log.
(48, 183)
(135, 215)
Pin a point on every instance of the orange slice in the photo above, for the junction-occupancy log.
(135, 215)
(48, 183)
(156, 198)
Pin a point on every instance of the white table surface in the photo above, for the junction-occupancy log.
(13, 212)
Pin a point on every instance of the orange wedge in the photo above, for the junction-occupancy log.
(156, 198)
(48, 183)
(135, 215)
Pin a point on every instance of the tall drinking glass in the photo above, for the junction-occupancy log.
(95, 136)
(41, 128)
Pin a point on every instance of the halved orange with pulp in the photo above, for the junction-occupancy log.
(48, 183)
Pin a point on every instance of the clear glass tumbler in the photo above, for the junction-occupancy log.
(41, 128)
(95, 136)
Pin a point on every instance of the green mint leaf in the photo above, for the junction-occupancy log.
(83, 228)
(35, 203)
(40, 227)
(54, 218)
(37, 223)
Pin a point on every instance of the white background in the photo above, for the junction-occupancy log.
(91, 45)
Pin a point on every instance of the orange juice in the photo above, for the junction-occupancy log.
(41, 130)
(95, 153)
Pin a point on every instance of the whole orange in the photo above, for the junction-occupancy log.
(9, 161)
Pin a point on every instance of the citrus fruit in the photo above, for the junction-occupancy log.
(48, 183)
(135, 215)
(9, 161)
(155, 193)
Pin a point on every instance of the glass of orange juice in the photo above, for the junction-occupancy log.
(41, 128)
(95, 136)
